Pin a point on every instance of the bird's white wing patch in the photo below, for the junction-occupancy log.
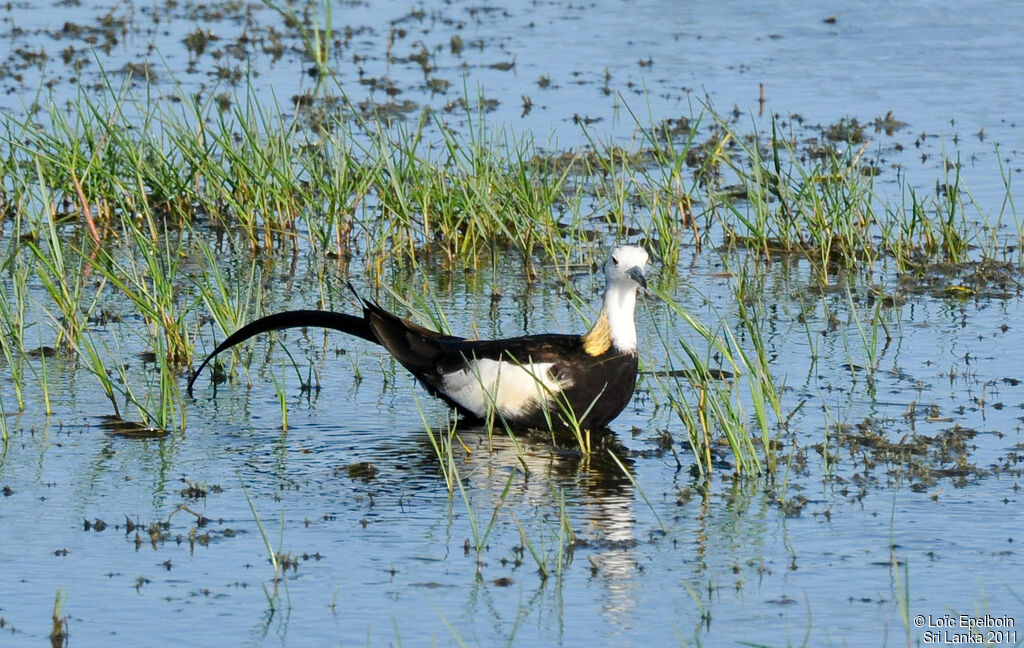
(511, 388)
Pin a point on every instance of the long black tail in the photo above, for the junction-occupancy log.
(351, 324)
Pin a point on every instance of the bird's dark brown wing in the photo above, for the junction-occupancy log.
(542, 348)
(417, 348)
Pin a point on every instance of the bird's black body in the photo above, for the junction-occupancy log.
(534, 381)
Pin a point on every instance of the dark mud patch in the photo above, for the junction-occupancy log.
(987, 278)
(920, 459)
(196, 490)
(119, 427)
(361, 471)
(183, 526)
(158, 532)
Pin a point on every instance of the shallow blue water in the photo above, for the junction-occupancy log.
(676, 561)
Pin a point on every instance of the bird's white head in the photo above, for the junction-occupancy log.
(625, 274)
(626, 267)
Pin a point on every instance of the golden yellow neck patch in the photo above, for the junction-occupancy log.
(599, 338)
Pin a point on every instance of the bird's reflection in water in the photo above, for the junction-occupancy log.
(599, 497)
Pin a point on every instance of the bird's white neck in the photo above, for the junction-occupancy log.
(619, 306)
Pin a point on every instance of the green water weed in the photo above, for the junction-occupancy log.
(59, 627)
(480, 533)
(639, 490)
(1008, 204)
(230, 304)
(273, 556)
(550, 559)
(4, 433)
(12, 335)
(716, 401)
(315, 38)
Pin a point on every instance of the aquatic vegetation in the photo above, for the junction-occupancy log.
(12, 332)
(125, 191)
(347, 179)
(316, 38)
(275, 557)
(717, 405)
(549, 559)
(59, 631)
(481, 533)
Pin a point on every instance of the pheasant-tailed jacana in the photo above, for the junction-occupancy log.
(532, 381)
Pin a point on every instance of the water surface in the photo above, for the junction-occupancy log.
(844, 552)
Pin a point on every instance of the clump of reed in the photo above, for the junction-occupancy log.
(341, 182)
(116, 198)
(822, 205)
(701, 385)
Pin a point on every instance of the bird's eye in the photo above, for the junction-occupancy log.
(615, 261)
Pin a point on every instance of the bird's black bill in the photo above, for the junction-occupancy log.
(637, 275)
(350, 324)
